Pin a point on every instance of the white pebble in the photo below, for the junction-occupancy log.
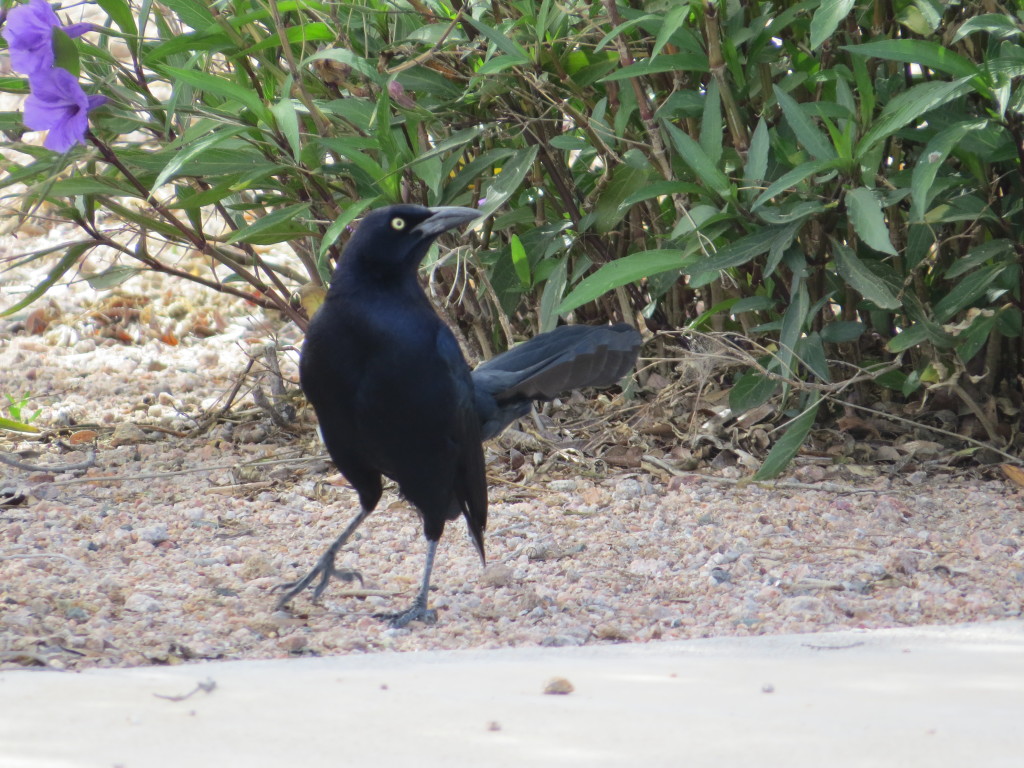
(142, 603)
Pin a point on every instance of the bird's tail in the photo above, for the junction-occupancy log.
(569, 357)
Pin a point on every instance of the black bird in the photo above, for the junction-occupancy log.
(395, 397)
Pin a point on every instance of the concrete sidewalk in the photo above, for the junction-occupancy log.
(938, 696)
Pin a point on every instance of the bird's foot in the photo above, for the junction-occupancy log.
(416, 613)
(325, 570)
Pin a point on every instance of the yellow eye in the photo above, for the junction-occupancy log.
(398, 223)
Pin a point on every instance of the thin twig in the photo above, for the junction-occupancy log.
(6, 458)
(175, 473)
(207, 685)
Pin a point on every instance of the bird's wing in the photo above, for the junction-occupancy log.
(569, 357)
(471, 473)
(548, 365)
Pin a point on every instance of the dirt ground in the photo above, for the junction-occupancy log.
(167, 545)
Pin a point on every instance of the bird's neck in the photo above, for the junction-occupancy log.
(358, 280)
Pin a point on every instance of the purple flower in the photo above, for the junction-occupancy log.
(29, 36)
(400, 95)
(58, 104)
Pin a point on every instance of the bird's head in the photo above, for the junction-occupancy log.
(393, 240)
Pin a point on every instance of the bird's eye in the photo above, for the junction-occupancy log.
(398, 223)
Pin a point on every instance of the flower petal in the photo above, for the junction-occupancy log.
(77, 30)
(67, 133)
(42, 115)
(57, 85)
(57, 103)
(29, 36)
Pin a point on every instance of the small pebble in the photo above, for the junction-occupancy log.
(558, 686)
(154, 534)
(142, 603)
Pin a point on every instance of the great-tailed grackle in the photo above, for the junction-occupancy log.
(395, 397)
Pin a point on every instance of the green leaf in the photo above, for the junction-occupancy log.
(145, 221)
(909, 105)
(702, 320)
(181, 157)
(192, 199)
(965, 292)
(753, 304)
(738, 252)
(792, 178)
(1001, 249)
(868, 219)
(71, 256)
(826, 19)
(998, 24)
(551, 296)
(624, 26)
(121, 14)
(621, 272)
(218, 86)
(750, 391)
(703, 166)
(520, 261)
(668, 26)
(662, 189)
(16, 426)
(193, 12)
(499, 64)
(924, 53)
(111, 277)
(504, 185)
(757, 156)
(17, 85)
(303, 34)
(338, 225)
(976, 335)
(288, 123)
(864, 281)
(627, 180)
(794, 320)
(912, 336)
(790, 443)
(804, 128)
(676, 62)
(711, 128)
(90, 185)
(931, 159)
(356, 150)
(811, 351)
(922, 17)
(65, 52)
(275, 226)
(842, 331)
(500, 41)
(191, 42)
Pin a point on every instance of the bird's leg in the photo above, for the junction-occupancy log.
(418, 611)
(324, 567)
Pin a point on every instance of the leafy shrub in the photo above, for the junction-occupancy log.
(842, 178)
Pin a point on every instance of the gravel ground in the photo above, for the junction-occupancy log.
(168, 548)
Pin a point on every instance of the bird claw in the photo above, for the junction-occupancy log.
(416, 613)
(326, 571)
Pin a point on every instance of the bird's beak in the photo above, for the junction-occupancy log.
(443, 218)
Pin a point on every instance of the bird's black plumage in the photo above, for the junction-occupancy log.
(395, 397)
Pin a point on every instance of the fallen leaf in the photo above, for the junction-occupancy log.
(1014, 474)
(82, 436)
